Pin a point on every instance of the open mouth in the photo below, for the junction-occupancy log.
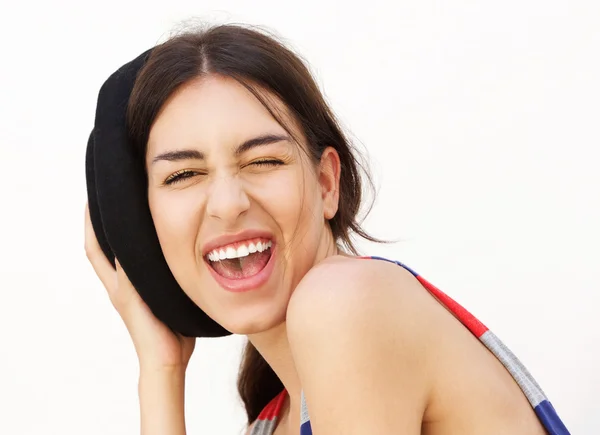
(240, 260)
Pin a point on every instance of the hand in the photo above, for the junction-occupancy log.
(157, 346)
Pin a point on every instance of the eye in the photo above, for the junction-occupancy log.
(179, 176)
(266, 162)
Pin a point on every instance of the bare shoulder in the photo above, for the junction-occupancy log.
(344, 289)
(346, 304)
(358, 336)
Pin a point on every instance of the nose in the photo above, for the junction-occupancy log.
(227, 199)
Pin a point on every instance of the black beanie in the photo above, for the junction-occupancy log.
(120, 215)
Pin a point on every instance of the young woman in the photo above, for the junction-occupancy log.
(253, 191)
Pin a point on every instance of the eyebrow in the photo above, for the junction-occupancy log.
(190, 154)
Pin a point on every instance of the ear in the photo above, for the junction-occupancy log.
(329, 179)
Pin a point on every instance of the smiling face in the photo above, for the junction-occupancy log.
(239, 208)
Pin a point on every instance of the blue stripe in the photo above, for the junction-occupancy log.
(305, 429)
(374, 257)
(550, 419)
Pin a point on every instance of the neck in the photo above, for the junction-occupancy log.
(274, 347)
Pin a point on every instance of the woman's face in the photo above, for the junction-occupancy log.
(240, 210)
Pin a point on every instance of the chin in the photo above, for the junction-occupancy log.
(251, 322)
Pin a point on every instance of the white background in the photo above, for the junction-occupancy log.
(480, 119)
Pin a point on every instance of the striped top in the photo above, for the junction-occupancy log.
(267, 420)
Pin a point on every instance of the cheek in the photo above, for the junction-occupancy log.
(292, 200)
(176, 219)
(289, 198)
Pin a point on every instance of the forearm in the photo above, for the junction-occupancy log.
(161, 396)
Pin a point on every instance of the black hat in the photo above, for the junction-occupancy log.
(120, 215)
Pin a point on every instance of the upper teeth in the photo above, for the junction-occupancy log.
(242, 251)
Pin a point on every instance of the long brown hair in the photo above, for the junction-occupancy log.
(258, 61)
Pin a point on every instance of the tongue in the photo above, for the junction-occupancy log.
(239, 268)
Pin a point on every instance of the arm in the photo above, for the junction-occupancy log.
(358, 349)
(161, 396)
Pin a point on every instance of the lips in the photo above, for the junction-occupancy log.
(242, 262)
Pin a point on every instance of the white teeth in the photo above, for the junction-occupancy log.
(242, 251)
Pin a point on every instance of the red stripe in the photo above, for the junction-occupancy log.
(273, 408)
(466, 318)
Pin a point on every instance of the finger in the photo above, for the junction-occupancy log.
(126, 288)
(96, 256)
(125, 298)
(122, 277)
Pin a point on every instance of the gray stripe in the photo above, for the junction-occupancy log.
(521, 375)
(264, 427)
(303, 409)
